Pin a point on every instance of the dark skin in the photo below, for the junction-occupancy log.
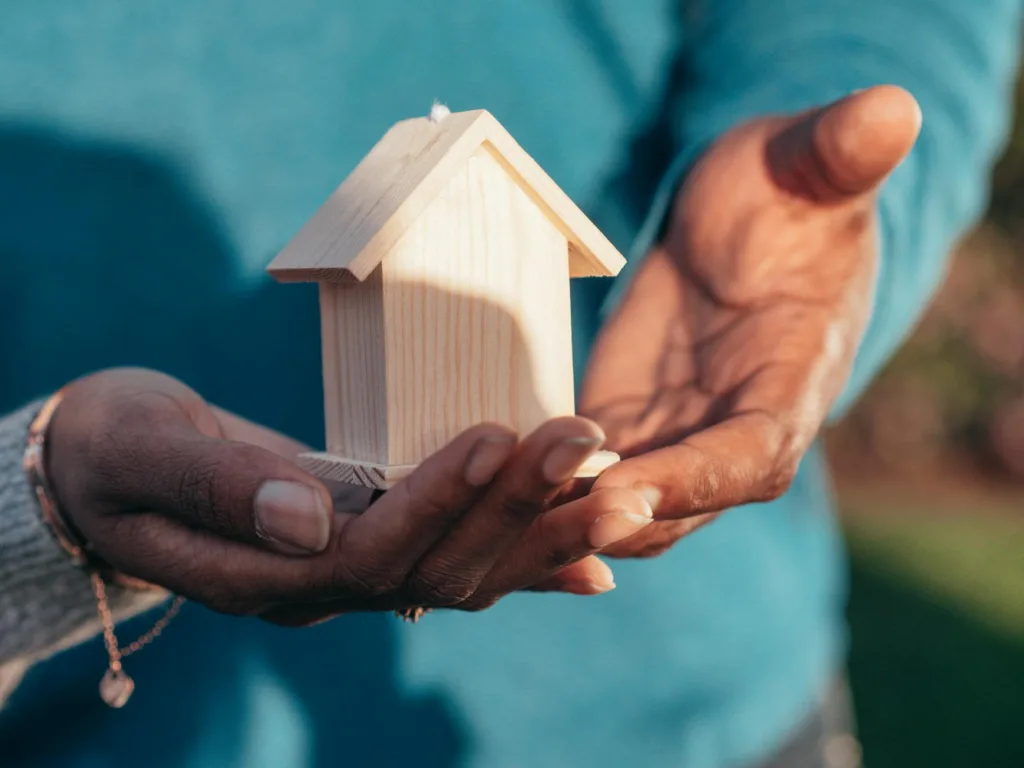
(166, 488)
(719, 367)
(711, 379)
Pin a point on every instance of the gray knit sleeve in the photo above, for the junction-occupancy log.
(46, 603)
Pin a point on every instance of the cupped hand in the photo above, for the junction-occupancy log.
(168, 489)
(718, 368)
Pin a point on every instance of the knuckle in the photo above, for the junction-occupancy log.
(434, 495)
(517, 507)
(559, 557)
(778, 481)
(784, 460)
(436, 589)
(197, 491)
(365, 579)
(429, 505)
(554, 555)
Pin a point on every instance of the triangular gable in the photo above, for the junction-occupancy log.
(363, 219)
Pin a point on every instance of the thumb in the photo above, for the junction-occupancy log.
(236, 490)
(847, 148)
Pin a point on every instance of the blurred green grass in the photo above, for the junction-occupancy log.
(937, 624)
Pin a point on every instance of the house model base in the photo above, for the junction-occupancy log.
(382, 476)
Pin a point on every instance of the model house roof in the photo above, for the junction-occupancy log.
(363, 219)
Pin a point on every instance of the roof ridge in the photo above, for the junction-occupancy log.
(364, 217)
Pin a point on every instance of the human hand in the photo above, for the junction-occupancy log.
(716, 372)
(180, 494)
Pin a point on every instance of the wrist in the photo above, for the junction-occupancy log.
(37, 469)
(45, 478)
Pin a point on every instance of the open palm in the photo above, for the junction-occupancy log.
(719, 366)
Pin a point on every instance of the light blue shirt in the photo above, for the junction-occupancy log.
(153, 158)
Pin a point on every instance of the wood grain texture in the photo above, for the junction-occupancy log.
(476, 314)
(354, 369)
(591, 254)
(368, 475)
(352, 232)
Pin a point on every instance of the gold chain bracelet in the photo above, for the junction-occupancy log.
(116, 687)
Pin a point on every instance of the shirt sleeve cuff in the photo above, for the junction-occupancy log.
(46, 603)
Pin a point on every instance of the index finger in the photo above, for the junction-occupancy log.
(367, 555)
(741, 460)
(452, 570)
(382, 546)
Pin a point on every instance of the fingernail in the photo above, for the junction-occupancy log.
(601, 579)
(292, 516)
(616, 526)
(651, 495)
(566, 457)
(593, 587)
(487, 457)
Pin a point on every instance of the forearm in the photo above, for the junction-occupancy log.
(46, 603)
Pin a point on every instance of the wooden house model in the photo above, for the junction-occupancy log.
(443, 262)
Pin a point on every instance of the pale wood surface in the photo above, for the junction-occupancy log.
(359, 223)
(476, 315)
(354, 369)
(369, 475)
(387, 192)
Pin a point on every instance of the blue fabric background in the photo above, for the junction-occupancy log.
(153, 158)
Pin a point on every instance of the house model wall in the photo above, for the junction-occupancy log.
(444, 263)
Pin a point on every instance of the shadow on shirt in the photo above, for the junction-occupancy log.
(108, 258)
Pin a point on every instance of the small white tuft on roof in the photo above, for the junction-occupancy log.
(438, 112)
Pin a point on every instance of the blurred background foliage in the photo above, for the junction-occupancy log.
(953, 397)
(929, 468)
